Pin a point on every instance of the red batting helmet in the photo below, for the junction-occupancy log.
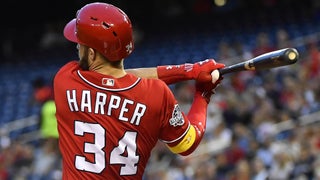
(103, 27)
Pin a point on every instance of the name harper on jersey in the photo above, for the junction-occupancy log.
(99, 103)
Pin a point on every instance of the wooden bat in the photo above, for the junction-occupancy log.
(273, 59)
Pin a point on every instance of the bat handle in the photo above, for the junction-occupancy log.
(223, 71)
(229, 69)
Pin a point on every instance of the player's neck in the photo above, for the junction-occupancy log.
(108, 69)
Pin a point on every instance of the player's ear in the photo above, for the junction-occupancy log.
(92, 54)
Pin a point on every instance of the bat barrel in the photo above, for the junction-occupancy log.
(275, 59)
(269, 60)
(292, 55)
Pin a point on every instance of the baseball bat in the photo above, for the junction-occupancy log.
(273, 59)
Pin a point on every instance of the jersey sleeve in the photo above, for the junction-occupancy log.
(174, 123)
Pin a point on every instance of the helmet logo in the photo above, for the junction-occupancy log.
(129, 48)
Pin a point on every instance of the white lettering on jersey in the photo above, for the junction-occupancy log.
(86, 101)
(72, 100)
(138, 113)
(100, 103)
(124, 109)
(113, 104)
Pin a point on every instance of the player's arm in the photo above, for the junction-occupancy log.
(197, 117)
(170, 74)
(150, 72)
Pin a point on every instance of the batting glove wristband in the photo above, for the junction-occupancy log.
(207, 89)
(200, 71)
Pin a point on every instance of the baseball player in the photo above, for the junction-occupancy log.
(110, 119)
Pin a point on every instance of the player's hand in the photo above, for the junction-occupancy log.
(208, 88)
(202, 70)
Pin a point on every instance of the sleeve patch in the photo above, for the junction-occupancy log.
(177, 117)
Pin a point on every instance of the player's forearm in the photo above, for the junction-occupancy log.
(197, 116)
(144, 72)
(171, 74)
(168, 73)
(200, 71)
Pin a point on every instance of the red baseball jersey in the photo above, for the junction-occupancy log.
(108, 127)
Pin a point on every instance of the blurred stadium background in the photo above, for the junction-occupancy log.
(260, 124)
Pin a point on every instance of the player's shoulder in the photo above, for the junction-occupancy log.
(154, 82)
(66, 69)
(155, 85)
(69, 66)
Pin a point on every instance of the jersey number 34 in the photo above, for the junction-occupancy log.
(126, 143)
